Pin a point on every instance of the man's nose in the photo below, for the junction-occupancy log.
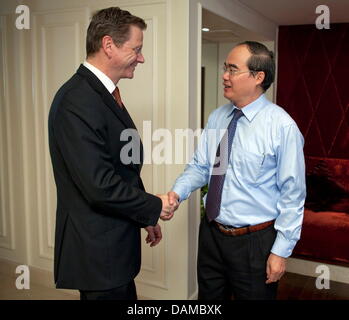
(140, 58)
(225, 76)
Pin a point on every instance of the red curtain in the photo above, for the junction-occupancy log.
(313, 85)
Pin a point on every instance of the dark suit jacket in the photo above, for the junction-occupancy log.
(101, 202)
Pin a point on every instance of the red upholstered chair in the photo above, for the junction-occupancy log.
(325, 230)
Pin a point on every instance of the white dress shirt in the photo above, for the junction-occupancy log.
(107, 82)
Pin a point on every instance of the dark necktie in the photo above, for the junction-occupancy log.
(117, 97)
(214, 194)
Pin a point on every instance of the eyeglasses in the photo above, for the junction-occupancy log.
(232, 71)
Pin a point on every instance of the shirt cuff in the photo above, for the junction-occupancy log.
(283, 247)
(183, 194)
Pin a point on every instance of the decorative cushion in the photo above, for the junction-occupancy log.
(327, 184)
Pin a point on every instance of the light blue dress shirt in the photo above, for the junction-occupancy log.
(265, 178)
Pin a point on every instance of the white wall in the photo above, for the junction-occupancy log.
(33, 64)
(238, 13)
(210, 62)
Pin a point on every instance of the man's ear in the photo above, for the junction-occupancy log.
(260, 76)
(107, 45)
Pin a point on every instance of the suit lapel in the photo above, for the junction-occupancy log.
(108, 99)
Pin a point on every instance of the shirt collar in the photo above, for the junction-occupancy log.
(251, 110)
(107, 82)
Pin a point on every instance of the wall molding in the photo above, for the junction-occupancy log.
(8, 240)
(3, 228)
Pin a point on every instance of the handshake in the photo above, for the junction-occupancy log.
(170, 203)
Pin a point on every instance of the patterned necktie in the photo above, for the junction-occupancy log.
(214, 194)
(117, 97)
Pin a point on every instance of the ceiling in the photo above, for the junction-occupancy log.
(223, 30)
(281, 12)
(290, 12)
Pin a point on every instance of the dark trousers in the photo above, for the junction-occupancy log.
(234, 265)
(125, 292)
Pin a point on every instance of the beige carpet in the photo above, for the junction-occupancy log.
(8, 291)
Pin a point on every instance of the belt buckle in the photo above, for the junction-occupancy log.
(228, 228)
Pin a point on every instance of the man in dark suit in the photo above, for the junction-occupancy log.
(101, 201)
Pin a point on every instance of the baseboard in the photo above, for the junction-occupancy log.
(308, 268)
(194, 296)
(294, 265)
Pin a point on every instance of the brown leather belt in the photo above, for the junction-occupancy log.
(243, 230)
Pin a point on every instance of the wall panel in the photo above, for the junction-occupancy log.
(57, 50)
(312, 86)
(7, 240)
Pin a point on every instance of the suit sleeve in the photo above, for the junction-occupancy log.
(81, 137)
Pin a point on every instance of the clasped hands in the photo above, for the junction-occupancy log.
(170, 203)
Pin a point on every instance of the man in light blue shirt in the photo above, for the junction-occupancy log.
(260, 198)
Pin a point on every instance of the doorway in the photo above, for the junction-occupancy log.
(218, 36)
